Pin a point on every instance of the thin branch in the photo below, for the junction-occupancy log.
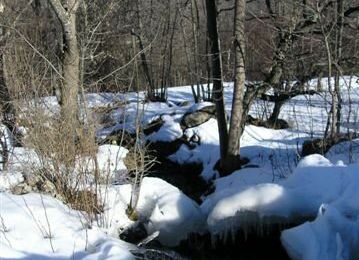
(34, 48)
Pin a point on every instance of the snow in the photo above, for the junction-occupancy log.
(207, 153)
(37, 226)
(170, 131)
(347, 152)
(315, 181)
(110, 161)
(331, 236)
(161, 206)
(275, 186)
(10, 179)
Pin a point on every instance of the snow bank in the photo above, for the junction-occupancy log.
(346, 152)
(170, 212)
(170, 131)
(206, 153)
(332, 235)
(37, 227)
(109, 159)
(315, 181)
(162, 207)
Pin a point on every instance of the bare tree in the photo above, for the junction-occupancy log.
(66, 13)
(6, 105)
(231, 160)
(217, 76)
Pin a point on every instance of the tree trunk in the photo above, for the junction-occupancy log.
(274, 77)
(231, 160)
(273, 118)
(71, 60)
(71, 72)
(339, 43)
(7, 107)
(194, 19)
(217, 75)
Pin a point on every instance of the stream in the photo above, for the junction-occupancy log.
(240, 245)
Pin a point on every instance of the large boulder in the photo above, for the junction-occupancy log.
(197, 117)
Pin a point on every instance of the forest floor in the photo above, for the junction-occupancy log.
(310, 203)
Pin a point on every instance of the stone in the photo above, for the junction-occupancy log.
(198, 117)
(153, 126)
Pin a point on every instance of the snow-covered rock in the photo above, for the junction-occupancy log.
(161, 206)
(9, 179)
(332, 235)
(315, 181)
(170, 131)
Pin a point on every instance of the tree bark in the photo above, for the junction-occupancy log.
(339, 43)
(231, 160)
(7, 107)
(71, 59)
(217, 91)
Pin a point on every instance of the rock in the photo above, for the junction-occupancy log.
(314, 146)
(153, 126)
(155, 254)
(119, 137)
(237, 163)
(254, 121)
(278, 124)
(198, 117)
(183, 103)
(322, 145)
(134, 233)
(21, 189)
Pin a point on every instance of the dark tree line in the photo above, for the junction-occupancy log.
(67, 47)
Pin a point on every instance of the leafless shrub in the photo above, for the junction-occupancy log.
(66, 152)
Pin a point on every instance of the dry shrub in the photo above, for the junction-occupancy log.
(66, 151)
(67, 156)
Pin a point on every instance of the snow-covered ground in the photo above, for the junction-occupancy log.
(278, 184)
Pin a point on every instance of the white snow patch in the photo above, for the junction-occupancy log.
(313, 182)
(347, 152)
(110, 161)
(170, 131)
(37, 226)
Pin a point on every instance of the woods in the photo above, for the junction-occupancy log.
(174, 125)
